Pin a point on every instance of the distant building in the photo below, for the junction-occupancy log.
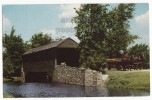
(38, 63)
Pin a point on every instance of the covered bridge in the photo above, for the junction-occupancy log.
(38, 63)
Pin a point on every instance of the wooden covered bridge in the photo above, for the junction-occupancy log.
(38, 63)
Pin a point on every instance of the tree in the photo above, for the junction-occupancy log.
(140, 49)
(90, 30)
(8, 67)
(118, 35)
(27, 45)
(59, 38)
(13, 46)
(102, 32)
(40, 39)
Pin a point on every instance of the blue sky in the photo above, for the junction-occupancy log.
(31, 19)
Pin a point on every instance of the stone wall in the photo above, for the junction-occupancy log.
(77, 76)
(70, 75)
(90, 77)
(94, 78)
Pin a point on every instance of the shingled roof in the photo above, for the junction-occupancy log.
(49, 46)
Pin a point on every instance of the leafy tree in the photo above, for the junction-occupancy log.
(12, 55)
(27, 45)
(140, 49)
(8, 67)
(59, 38)
(118, 35)
(102, 32)
(90, 30)
(40, 39)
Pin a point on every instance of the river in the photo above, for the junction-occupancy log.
(53, 89)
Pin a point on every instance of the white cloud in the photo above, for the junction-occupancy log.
(70, 24)
(67, 12)
(6, 23)
(51, 32)
(55, 34)
(143, 19)
(48, 31)
(142, 28)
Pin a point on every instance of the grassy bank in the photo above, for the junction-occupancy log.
(7, 95)
(129, 79)
(13, 79)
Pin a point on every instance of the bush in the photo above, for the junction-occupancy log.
(96, 62)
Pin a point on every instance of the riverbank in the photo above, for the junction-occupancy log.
(7, 95)
(135, 79)
(12, 79)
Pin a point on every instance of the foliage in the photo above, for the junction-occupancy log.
(59, 38)
(101, 32)
(27, 45)
(14, 47)
(90, 30)
(8, 67)
(118, 36)
(12, 79)
(140, 49)
(12, 54)
(40, 39)
(96, 61)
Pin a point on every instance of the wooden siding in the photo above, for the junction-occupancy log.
(40, 56)
(39, 66)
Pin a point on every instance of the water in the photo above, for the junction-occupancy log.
(65, 90)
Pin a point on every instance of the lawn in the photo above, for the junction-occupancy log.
(137, 79)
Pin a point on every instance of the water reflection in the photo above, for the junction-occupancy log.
(128, 92)
(96, 91)
(65, 90)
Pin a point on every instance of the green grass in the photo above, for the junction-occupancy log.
(13, 79)
(7, 95)
(129, 79)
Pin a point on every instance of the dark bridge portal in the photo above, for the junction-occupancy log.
(36, 77)
(68, 55)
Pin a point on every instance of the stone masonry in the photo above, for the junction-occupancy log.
(73, 75)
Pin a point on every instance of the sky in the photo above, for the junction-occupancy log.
(55, 20)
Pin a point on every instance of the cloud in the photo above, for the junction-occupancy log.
(70, 24)
(67, 12)
(58, 33)
(143, 19)
(48, 31)
(55, 33)
(6, 23)
(141, 28)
